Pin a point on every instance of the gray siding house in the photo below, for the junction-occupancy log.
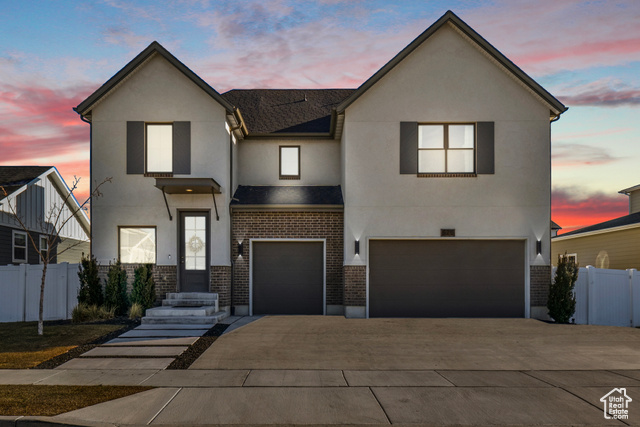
(35, 192)
(424, 192)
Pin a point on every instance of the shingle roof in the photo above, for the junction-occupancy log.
(633, 218)
(14, 177)
(287, 195)
(272, 111)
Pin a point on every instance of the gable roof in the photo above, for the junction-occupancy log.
(555, 226)
(14, 177)
(287, 111)
(556, 106)
(630, 190)
(154, 48)
(623, 221)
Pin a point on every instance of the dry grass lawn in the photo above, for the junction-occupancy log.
(49, 400)
(23, 348)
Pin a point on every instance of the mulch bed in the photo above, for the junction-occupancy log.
(196, 349)
(54, 362)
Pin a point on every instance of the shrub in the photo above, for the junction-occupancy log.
(116, 289)
(562, 301)
(144, 288)
(90, 313)
(90, 292)
(136, 311)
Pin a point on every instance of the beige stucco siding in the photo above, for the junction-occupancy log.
(157, 92)
(447, 80)
(616, 249)
(259, 162)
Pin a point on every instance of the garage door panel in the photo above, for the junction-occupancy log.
(433, 278)
(288, 277)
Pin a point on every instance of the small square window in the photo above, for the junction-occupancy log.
(137, 245)
(289, 162)
(159, 148)
(19, 249)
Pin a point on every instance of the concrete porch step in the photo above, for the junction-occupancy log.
(187, 302)
(169, 311)
(204, 296)
(188, 320)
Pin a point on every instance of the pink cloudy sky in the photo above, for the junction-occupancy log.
(586, 53)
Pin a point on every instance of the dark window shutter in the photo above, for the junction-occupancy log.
(181, 147)
(485, 148)
(409, 148)
(135, 147)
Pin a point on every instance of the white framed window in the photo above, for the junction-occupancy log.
(446, 148)
(19, 246)
(159, 148)
(44, 247)
(290, 162)
(137, 245)
(571, 258)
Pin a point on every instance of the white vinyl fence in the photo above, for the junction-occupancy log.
(20, 292)
(607, 297)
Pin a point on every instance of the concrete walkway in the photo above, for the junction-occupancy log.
(326, 370)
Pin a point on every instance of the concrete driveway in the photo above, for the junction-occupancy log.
(331, 370)
(319, 342)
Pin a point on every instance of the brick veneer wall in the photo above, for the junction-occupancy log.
(291, 225)
(164, 276)
(540, 279)
(355, 285)
(221, 284)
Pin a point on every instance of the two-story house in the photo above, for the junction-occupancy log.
(424, 192)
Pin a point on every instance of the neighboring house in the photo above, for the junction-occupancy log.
(424, 192)
(611, 244)
(35, 192)
(555, 228)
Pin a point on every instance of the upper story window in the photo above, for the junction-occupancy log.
(290, 162)
(159, 148)
(446, 148)
(19, 249)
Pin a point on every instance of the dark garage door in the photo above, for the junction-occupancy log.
(436, 278)
(288, 277)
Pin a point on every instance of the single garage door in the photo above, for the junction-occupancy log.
(446, 278)
(288, 277)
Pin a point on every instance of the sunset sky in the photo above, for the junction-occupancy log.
(53, 54)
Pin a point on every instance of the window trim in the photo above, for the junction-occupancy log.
(281, 176)
(46, 241)
(445, 132)
(155, 250)
(13, 247)
(569, 256)
(147, 172)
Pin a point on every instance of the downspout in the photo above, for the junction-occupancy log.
(231, 130)
(90, 183)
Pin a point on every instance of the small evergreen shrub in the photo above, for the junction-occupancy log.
(91, 313)
(144, 287)
(562, 302)
(135, 311)
(116, 289)
(90, 292)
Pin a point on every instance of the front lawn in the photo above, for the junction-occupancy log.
(23, 348)
(49, 400)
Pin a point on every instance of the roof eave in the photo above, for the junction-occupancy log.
(555, 105)
(595, 232)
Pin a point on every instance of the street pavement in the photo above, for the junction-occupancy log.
(337, 371)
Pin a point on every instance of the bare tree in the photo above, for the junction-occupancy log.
(50, 225)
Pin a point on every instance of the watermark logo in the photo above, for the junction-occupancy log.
(616, 404)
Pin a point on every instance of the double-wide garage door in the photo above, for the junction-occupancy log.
(288, 277)
(446, 278)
